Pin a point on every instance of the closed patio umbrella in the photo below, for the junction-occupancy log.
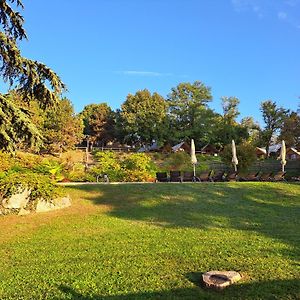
(283, 155)
(193, 156)
(235, 161)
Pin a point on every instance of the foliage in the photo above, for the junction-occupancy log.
(39, 185)
(143, 117)
(32, 79)
(153, 241)
(188, 111)
(177, 161)
(273, 118)
(245, 154)
(230, 108)
(98, 122)
(253, 130)
(52, 168)
(290, 130)
(6, 161)
(107, 163)
(62, 129)
(138, 167)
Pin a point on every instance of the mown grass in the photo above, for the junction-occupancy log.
(153, 241)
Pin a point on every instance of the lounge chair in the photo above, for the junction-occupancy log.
(296, 178)
(189, 177)
(250, 177)
(219, 176)
(231, 176)
(266, 176)
(161, 177)
(205, 176)
(175, 176)
(278, 176)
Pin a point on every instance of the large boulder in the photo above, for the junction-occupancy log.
(58, 203)
(18, 200)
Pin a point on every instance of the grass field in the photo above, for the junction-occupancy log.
(153, 241)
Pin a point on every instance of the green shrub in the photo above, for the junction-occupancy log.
(6, 161)
(40, 185)
(138, 167)
(52, 168)
(177, 161)
(107, 163)
(28, 160)
(78, 174)
(245, 153)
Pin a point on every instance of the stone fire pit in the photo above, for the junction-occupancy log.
(220, 279)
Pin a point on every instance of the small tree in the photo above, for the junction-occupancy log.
(245, 154)
(273, 117)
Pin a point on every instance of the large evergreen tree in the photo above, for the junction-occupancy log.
(31, 79)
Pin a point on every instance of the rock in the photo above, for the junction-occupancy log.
(44, 206)
(18, 200)
(23, 212)
(220, 279)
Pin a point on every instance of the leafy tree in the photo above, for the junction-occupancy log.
(98, 122)
(290, 131)
(188, 111)
(230, 109)
(30, 78)
(245, 154)
(273, 117)
(226, 127)
(253, 129)
(143, 116)
(62, 129)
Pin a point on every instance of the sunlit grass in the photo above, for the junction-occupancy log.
(153, 241)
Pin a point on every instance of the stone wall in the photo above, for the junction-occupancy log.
(20, 204)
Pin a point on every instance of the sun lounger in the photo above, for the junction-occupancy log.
(205, 176)
(266, 176)
(250, 177)
(189, 177)
(231, 176)
(278, 176)
(175, 176)
(162, 177)
(218, 177)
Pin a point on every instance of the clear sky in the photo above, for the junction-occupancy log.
(105, 49)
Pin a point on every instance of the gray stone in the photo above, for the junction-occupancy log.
(44, 206)
(18, 200)
(220, 279)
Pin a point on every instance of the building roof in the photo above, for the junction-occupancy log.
(294, 151)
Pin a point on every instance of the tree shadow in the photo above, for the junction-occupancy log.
(267, 209)
(274, 289)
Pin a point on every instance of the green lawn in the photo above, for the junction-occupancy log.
(153, 241)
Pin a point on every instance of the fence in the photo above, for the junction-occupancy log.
(292, 166)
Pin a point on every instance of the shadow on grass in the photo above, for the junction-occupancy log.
(278, 289)
(271, 209)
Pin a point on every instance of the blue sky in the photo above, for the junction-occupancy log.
(105, 49)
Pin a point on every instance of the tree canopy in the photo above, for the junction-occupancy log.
(143, 116)
(30, 78)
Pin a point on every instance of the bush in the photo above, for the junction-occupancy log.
(245, 153)
(40, 185)
(177, 161)
(6, 161)
(138, 167)
(52, 168)
(107, 163)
